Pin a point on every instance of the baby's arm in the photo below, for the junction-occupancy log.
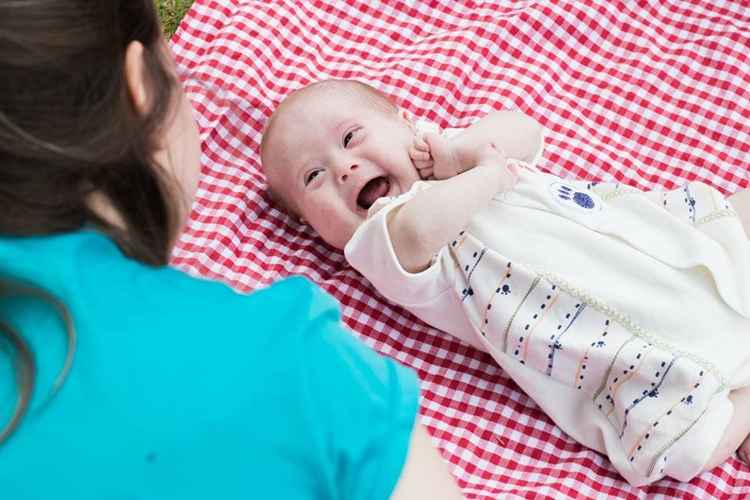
(422, 225)
(518, 135)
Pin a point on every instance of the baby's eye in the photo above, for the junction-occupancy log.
(348, 137)
(311, 176)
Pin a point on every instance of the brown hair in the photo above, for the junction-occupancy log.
(68, 129)
(24, 364)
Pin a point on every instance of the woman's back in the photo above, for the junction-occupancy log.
(180, 388)
(183, 389)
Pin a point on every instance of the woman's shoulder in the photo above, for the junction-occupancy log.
(290, 328)
(91, 274)
(168, 359)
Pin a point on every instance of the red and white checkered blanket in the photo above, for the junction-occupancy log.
(650, 93)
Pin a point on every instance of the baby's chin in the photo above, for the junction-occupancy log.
(340, 239)
(350, 234)
(339, 245)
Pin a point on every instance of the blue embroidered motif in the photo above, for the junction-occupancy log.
(660, 377)
(583, 200)
(580, 198)
(469, 291)
(556, 345)
(568, 195)
(689, 201)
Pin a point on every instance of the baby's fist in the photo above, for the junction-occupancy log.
(419, 152)
(443, 152)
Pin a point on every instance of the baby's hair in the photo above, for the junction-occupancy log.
(373, 95)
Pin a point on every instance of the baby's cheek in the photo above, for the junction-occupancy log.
(334, 222)
(328, 210)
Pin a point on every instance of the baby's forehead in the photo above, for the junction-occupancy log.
(310, 113)
(307, 115)
(324, 100)
(299, 122)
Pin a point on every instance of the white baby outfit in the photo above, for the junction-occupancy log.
(625, 315)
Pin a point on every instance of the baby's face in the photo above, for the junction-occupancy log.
(330, 156)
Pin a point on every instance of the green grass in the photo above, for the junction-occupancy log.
(171, 13)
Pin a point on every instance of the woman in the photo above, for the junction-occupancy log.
(180, 388)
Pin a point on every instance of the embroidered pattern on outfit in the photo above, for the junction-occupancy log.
(650, 392)
(690, 202)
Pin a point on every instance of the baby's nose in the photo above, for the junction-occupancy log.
(345, 175)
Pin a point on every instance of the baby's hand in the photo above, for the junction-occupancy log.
(419, 152)
(434, 156)
(491, 157)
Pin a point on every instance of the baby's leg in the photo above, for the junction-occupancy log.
(741, 203)
(737, 432)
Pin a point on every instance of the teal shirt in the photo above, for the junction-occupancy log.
(184, 389)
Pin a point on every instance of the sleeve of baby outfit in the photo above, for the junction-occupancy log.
(370, 251)
(364, 405)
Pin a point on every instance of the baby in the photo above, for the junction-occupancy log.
(624, 314)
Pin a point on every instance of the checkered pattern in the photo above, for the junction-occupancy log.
(650, 93)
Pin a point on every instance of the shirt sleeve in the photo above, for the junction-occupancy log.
(363, 403)
(370, 251)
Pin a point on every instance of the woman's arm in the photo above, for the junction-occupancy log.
(422, 225)
(424, 474)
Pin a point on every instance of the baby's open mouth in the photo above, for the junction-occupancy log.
(374, 189)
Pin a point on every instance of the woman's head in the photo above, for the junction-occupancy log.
(94, 128)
